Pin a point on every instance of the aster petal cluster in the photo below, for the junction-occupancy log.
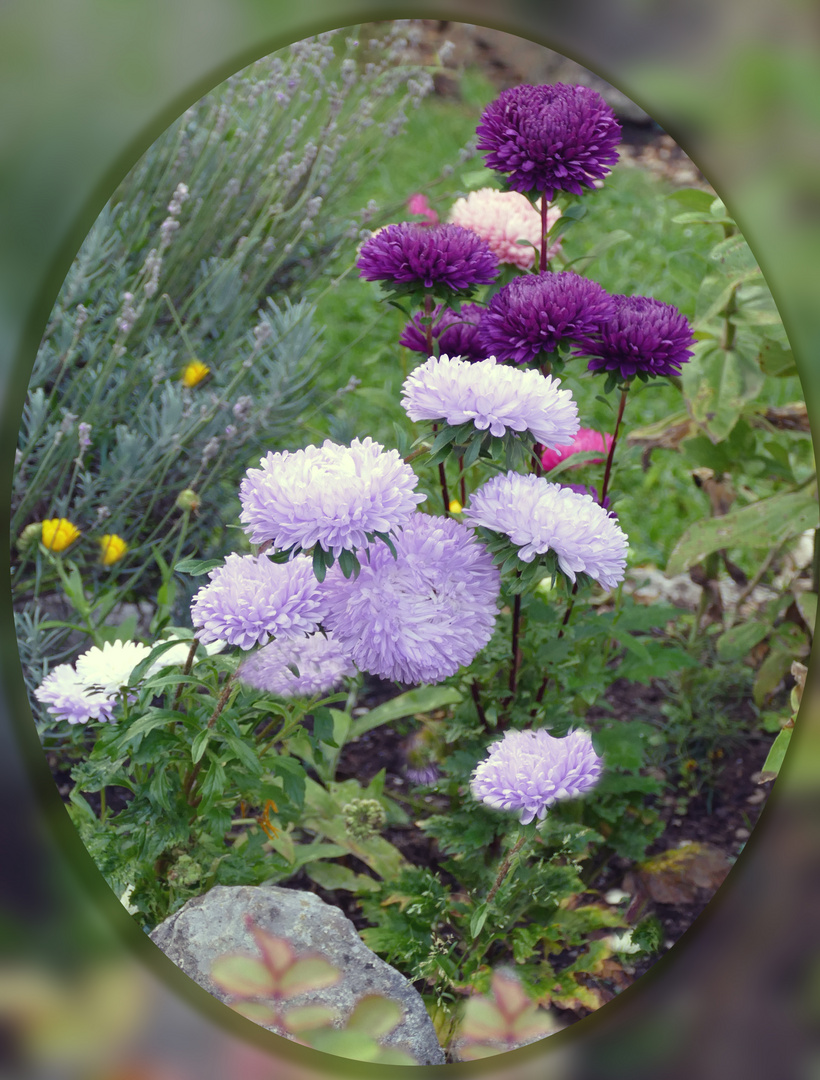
(528, 771)
(250, 599)
(539, 517)
(321, 660)
(329, 495)
(428, 255)
(584, 441)
(494, 397)
(456, 333)
(538, 312)
(642, 335)
(503, 218)
(421, 616)
(550, 138)
(88, 690)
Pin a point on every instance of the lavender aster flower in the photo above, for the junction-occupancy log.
(67, 697)
(528, 771)
(430, 255)
(322, 663)
(421, 616)
(539, 517)
(493, 396)
(329, 495)
(536, 313)
(456, 333)
(250, 599)
(641, 336)
(550, 138)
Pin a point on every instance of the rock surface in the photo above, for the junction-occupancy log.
(214, 924)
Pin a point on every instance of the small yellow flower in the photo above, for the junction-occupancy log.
(58, 534)
(112, 549)
(194, 373)
(455, 506)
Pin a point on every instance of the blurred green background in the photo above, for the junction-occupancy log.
(85, 86)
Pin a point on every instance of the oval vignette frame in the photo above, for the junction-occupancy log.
(196, 56)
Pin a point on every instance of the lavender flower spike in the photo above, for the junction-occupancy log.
(250, 599)
(329, 495)
(494, 397)
(322, 663)
(528, 771)
(550, 138)
(536, 313)
(421, 616)
(539, 517)
(433, 256)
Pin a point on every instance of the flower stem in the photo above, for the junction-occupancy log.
(504, 869)
(516, 650)
(544, 263)
(611, 454)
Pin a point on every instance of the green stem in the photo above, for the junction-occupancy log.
(611, 454)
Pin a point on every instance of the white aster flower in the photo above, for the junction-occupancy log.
(109, 668)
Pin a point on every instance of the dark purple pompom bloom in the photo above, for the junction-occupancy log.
(432, 255)
(642, 335)
(456, 334)
(550, 138)
(535, 313)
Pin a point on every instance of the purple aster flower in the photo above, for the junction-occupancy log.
(421, 616)
(250, 599)
(67, 697)
(431, 255)
(641, 335)
(528, 771)
(539, 517)
(550, 138)
(493, 397)
(535, 313)
(322, 663)
(455, 333)
(329, 495)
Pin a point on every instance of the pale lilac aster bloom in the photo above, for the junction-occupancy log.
(494, 397)
(329, 495)
(419, 617)
(539, 517)
(67, 697)
(321, 660)
(431, 255)
(528, 771)
(109, 668)
(502, 218)
(251, 599)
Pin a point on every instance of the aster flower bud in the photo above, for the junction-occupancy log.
(363, 818)
(187, 500)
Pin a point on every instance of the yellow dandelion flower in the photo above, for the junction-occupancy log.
(58, 534)
(112, 549)
(194, 373)
(455, 506)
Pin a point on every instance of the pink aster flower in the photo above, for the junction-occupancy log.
(539, 517)
(251, 599)
(528, 771)
(496, 398)
(418, 205)
(502, 218)
(586, 439)
(329, 495)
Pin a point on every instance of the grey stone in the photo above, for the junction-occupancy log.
(214, 924)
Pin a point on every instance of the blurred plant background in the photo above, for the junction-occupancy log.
(769, 78)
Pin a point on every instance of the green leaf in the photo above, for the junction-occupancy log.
(777, 360)
(692, 199)
(763, 524)
(310, 973)
(688, 269)
(422, 699)
(617, 236)
(246, 754)
(319, 567)
(196, 567)
(737, 643)
(243, 975)
(774, 759)
(376, 1015)
(735, 259)
(348, 563)
(323, 727)
(477, 919)
(718, 383)
(335, 876)
(199, 745)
